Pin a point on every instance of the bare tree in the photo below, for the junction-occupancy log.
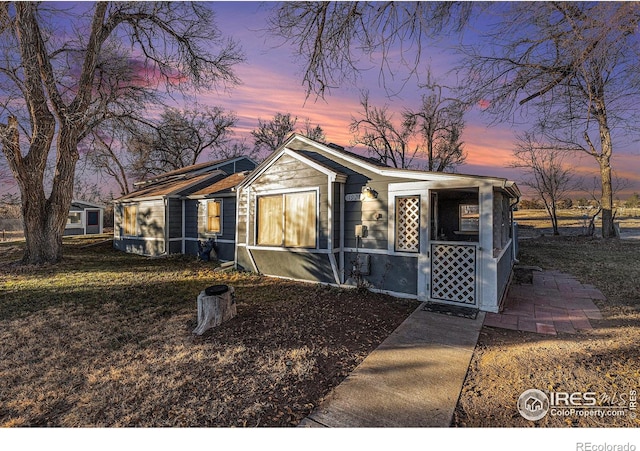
(51, 93)
(180, 138)
(314, 132)
(594, 190)
(333, 38)
(386, 142)
(272, 134)
(439, 122)
(237, 148)
(545, 172)
(110, 154)
(574, 65)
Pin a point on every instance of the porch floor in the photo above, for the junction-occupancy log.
(554, 303)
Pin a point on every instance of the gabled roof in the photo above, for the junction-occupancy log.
(181, 182)
(296, 144)
(84, 204)
(172, 186)
(190, 171)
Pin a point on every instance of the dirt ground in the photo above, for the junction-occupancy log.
(602, 361)
(104, 339)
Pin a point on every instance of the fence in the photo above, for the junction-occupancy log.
(11, 229)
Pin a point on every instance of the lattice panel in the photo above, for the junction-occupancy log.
(408, 224)
(453, 273)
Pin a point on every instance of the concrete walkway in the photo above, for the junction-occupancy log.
(413, 379)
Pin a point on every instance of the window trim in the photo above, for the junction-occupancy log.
(283, 193)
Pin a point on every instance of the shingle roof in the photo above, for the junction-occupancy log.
(171, 186)
(178, 182)
(222, 185)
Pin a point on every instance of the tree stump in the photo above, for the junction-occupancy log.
(216, 304)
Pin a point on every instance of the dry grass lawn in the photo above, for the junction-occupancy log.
(603, 360)
(104, 339)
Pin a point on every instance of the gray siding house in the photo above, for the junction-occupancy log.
(316, 212)
(85, 218)
(173, 212)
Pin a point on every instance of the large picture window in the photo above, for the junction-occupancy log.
(287, 220)
(214, 212)
(130, 220)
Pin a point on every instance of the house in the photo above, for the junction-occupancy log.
(85, 218)
(173, 212)
(316, 212)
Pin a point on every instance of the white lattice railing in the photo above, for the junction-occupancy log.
(454, 272)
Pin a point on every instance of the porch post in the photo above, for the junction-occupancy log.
(487, 295)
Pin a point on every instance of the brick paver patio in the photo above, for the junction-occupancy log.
(554, 303)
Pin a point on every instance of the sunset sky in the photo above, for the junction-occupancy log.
(272, 83)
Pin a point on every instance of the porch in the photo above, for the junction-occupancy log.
(463, 237)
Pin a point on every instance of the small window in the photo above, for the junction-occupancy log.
(130, 220)
(74, 219)
(214, 213)
(469, 218)
(408, 224)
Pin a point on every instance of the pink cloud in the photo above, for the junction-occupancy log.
(483, 104)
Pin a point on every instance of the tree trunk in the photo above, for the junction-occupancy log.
(45, 219)
(215, 308)
(606, 201)
(604, 160)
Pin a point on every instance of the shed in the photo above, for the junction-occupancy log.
(319, 213)
(85, 218)
(173, 212)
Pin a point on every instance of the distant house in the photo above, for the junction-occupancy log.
(173, 212)
(85, 218)
(318, 213)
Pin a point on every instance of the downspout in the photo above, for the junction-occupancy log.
(183, 247)
(166, 228)
(514, 230)
(342, 232)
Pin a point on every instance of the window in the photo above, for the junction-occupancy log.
(408, 224)
(270, 217)
(130, 219)
(93, 218)
(214, 212)
(469, 218)
(74, 219)
(287, 220)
